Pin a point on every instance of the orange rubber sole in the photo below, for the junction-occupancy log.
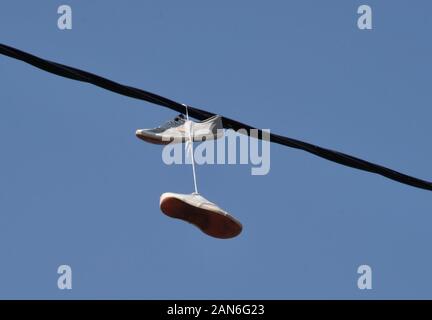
(212, 223)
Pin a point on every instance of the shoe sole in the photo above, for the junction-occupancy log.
(158, 140)
(153, 139)
(212, 223)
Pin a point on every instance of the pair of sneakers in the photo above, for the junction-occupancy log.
(193, 208)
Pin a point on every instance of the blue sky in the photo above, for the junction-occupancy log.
(78, 188)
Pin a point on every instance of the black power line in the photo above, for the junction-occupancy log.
(84, 76)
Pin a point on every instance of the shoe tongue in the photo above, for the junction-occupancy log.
(201, 198)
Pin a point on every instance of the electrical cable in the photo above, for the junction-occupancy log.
(335, 156)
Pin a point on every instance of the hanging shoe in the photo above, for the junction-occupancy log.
(175, 131)
(200, 212)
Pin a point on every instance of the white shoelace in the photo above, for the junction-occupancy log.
(189, 146)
